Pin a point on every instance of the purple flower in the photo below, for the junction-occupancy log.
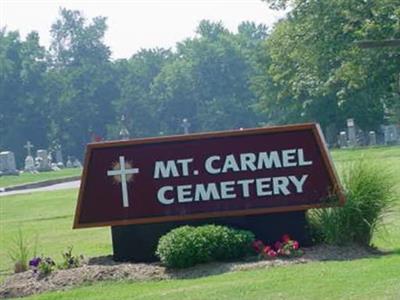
(34, 262)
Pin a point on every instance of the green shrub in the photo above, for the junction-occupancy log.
(46, 266)
(369, 196)
(70, 261)
(186, 246)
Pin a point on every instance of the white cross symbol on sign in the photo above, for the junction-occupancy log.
(122, 172)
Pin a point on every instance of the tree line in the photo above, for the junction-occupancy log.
(306, 68)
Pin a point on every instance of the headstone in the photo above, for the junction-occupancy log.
(54, 167)
(124, 132)
(390, 134)
(342, 139)
(76, 163)
(29, 164)
(7, 163)
(185, 125)
(42, 160)
(69, 163)
(372, 138)
(261, 180)
(59, 158)
(351, 131)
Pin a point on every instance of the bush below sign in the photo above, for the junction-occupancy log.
(186, 246)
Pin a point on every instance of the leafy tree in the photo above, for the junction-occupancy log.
(208, 82)
(82, 81)
(76, 43)
(174, 91)
(24, 113)
(308, 67)
(136, 102)
(320, 72)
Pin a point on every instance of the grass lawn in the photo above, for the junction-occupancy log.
(377, 278)
(29, 178)
(49, 216)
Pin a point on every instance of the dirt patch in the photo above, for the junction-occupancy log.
(104, 268)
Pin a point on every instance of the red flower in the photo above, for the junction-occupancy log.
(285, 238)
(271, 253)
(267, 249)
(296, 245)
(258, 245)
(277, 245)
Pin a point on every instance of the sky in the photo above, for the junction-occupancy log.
(136, 24)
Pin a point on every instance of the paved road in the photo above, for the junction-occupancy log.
(54, 187)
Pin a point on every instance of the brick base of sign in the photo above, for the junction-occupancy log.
(138, 243)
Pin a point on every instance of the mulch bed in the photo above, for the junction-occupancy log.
(104, 268)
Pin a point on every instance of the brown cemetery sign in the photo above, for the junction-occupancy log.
(211, 175)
